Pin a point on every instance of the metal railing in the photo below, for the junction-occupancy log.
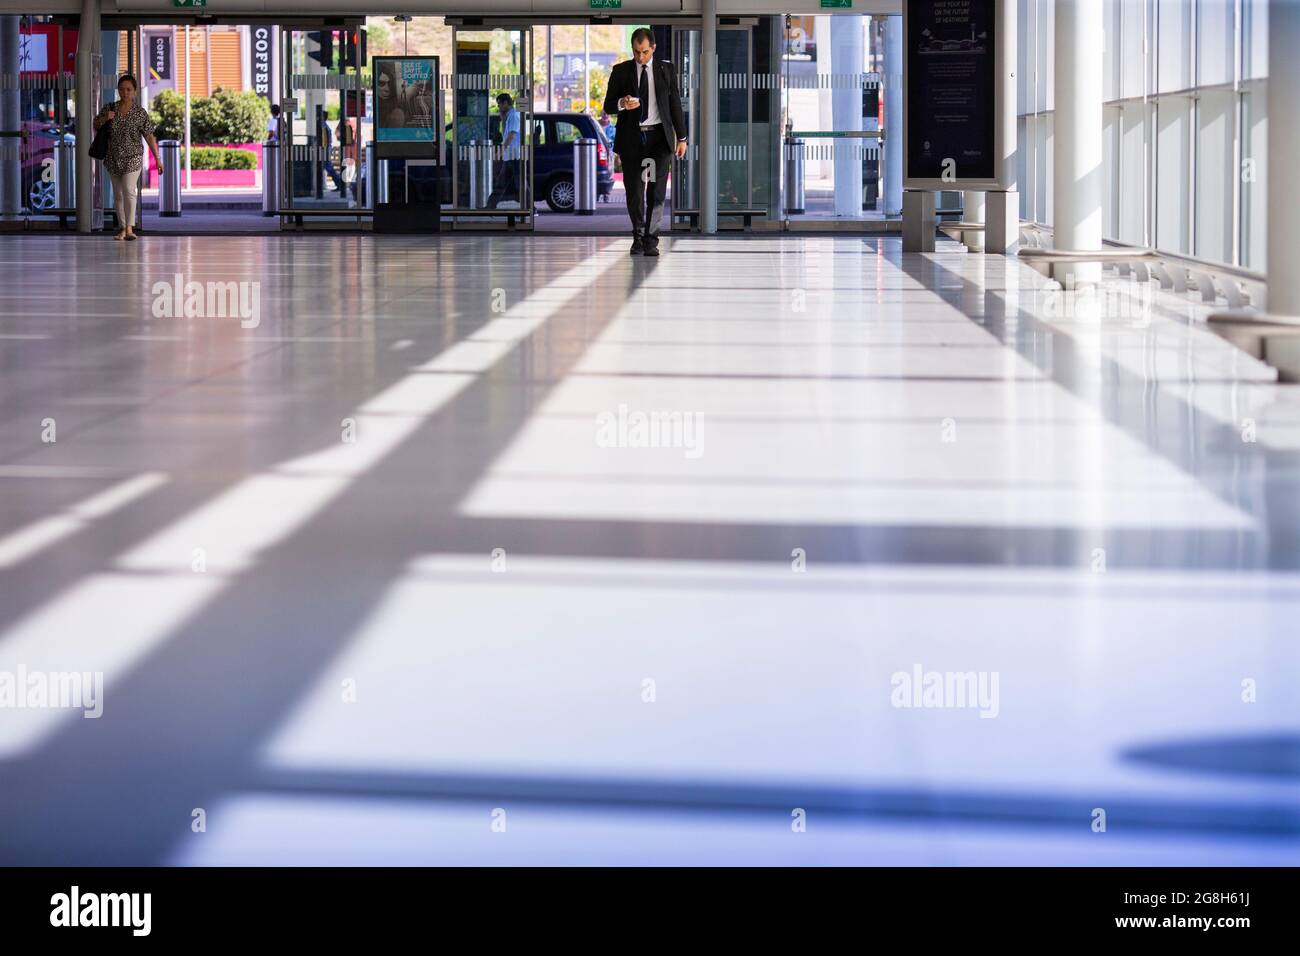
(1240, 288)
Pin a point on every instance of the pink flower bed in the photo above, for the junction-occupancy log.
(218, 177)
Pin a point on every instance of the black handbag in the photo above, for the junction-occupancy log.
(99, 146)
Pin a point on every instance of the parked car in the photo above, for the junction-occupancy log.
(553, 137)
(40, 133)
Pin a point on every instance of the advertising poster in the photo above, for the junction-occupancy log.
(950, 89)
(404, 99)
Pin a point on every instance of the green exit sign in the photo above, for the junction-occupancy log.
(607, 4)
(189, 3)
(837, 4)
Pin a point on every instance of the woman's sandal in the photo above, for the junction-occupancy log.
(120, 236)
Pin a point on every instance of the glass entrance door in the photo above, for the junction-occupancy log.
(489, 143)
(322, 136)
(38, 132)
(742, 189)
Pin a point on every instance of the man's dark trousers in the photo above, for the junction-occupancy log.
(645, 200)
(507, 183)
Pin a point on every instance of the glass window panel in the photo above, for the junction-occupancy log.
(1024, 55)
(1174, 34)
(1173, 166)
(1215, 33)
(1110, 52)
(733, 118)
(1111, 120)
(1043, 169)
(1133, 61)
(1216, 128)
(1133, 177)
(1022, 165)
(1254, 148)
(1046, 54)
(1254, 38)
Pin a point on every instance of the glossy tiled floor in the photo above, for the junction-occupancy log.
(385, 569)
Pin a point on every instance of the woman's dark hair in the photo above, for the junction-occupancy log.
(135, 84)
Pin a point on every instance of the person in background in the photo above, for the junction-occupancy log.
(347, 137)
(607, 127)
(273, 124)
(327, 139)
(508, 178)
(131, 123)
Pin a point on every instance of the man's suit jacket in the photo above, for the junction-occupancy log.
(622, 82)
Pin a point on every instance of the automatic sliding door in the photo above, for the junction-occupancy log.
(736, 85)
(490, 176)
(324, 132)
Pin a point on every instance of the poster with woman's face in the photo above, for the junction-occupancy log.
(404, 91)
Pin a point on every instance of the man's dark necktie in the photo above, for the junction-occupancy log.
(643, 91)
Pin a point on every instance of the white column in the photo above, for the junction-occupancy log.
(1077, 157)
(847, 62)
(1283, 159)
(88, 33)
(893, 185)
(822, 41)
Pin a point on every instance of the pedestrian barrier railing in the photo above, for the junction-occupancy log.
(1238, 288)
(1247, 326)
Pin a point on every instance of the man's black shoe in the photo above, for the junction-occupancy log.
(638, 246)
(652, 250)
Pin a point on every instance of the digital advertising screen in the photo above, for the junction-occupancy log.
(951, 104)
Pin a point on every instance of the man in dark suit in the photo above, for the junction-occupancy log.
(651, 128)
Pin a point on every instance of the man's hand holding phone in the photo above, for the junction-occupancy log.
(629, 103)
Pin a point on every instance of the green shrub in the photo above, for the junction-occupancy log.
(168, 115)
(210, 157)
(222, 118)
(207, 123)
(244, 116)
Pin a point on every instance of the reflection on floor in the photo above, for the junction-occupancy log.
(523, 550)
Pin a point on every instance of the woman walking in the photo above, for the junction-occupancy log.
(131, 122)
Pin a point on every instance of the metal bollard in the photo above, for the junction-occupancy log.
(271, 178)
(376, 178)
(65, 172)
(480, 173)
(584, 177)
(794, 167)
(169, 183)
